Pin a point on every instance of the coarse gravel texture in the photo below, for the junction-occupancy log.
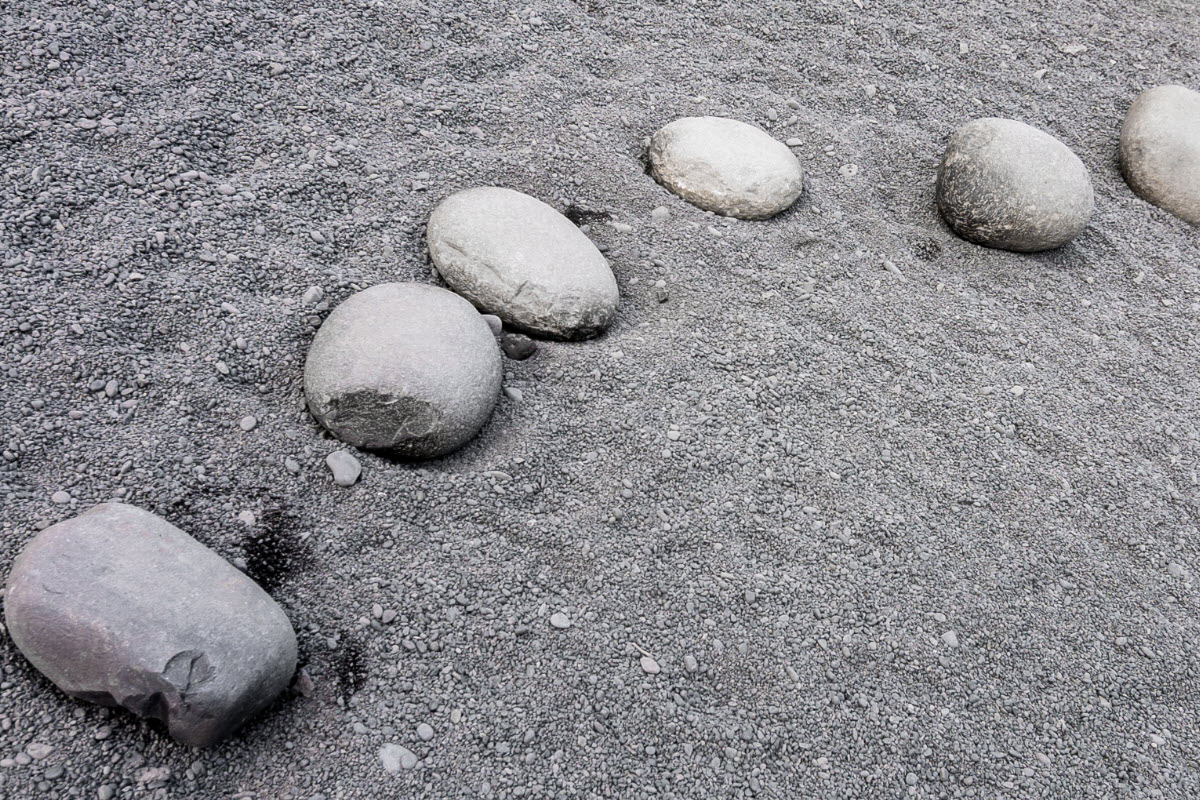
(927, 530)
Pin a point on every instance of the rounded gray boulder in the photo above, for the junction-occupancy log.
(1005, 184)
(516, 257)
(119, 607)
(727, 167)
(404, 367)
(1160, 149)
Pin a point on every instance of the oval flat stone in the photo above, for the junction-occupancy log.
(726, 166)
(516, 257)
(1160, 149)
(344, 466)
(404, 367)
(119, 607)
(1005, 184)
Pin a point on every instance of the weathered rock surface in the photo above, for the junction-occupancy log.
(1005, 184)
(404, 367)
(516, 257)
(119, 607)
(1160, 149)
(726, 166)
(517, 346)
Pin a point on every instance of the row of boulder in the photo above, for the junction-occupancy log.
(414, 370)
(117, 606)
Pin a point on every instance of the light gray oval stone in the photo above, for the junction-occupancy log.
(516, 257)
(1160, 149)
(119, 607)
(396, 757)
(1005, 184)
(404, 367)
(344, 466)
(727, 167)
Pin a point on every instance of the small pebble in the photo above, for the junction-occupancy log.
(560, 620)
(397, 757)
(345, 467)
(38, 751)
(517, 346)
(425, 732)
(494, 322)
(650, 666)
(248, 423)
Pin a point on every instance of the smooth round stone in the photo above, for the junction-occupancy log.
(1005, 184)
(404, 367)
(726, 166)
(516, 257)
(119, 607)
(495, 323)
(396, 757)
(1160, 149)
(344, 466)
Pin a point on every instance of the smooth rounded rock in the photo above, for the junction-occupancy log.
(495, 323)
(726, 166)
(396, 757)
(1007, 185)
(344, 466)
(404, 367)
(1160, 149)
(119, 607)
(516, 257)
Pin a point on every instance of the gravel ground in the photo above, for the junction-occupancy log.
(929, 530)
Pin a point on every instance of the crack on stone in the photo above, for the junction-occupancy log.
(188, 670)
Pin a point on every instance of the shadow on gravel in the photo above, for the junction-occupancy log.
(349, 667)
(583, 216)
(275, 550)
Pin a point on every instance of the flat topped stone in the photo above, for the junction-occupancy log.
(404, 367)
(516, 257)
(1160, 149)
(119, 607)
(1005, 184)
(727, 167)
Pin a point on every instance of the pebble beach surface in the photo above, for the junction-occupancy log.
(839, 505)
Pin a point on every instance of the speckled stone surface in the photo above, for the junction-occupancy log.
(1160, 149)
(1007, 185)
(119, 607)
(726, 166)
(404, 367)
(516, 257)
